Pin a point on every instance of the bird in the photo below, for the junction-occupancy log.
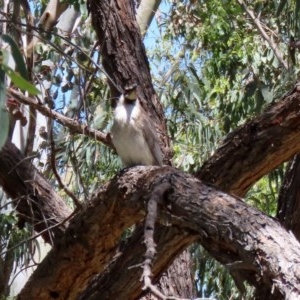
(133, 134)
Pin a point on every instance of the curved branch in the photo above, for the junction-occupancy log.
(259, 151)
(240, 236)
(33, 196)
(259, 146)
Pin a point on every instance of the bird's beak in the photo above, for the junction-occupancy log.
(131, 95)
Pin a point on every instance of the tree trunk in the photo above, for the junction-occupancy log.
(124, 58)
(288, 211)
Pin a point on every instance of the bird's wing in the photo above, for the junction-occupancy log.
(151, 138)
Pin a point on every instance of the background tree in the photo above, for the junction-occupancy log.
(226, 66)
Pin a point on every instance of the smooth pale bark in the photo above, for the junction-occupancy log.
(48, 20)
(145, 13)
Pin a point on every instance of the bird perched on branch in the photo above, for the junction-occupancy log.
(133, 133)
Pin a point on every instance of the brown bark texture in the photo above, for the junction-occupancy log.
(253, 246)
(288, 211)
(124, 59)
(166, 250)
(258, 139)
(33, 196)
(241, 237)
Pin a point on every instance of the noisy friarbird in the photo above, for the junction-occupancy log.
(133, 132)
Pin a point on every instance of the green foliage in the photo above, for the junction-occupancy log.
(20, 76)
(76, 87)
(17, 56)
(238, 67)
(4, 119)
(212, 69)
(212, 279)
(264, 193)
(19, 81)
(215, 70)
(17, 250)
(192, 120)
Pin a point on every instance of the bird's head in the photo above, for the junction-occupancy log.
(130, 92)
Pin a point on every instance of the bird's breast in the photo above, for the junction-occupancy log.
(126, 114)
(128, 137)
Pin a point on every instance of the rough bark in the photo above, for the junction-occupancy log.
(125, 60)
(225, 179)
(113, 287)
(164, 249)
(80, 253)
(257, 147)
(288, 211)
(239, 236)
(33, 196)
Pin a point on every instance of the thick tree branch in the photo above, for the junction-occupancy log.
(114, 62)
(107, 287)
(261, 139)
(240, 236)
(74, 126)
(290, 118)
(33, 196)
(259, 146)
(288, 211)
(259, 151)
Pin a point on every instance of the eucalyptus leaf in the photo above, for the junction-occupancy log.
(280, 7)
(19, 81)
(4, 118)
(15, 51)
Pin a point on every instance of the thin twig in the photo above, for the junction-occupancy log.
(66, 40)
(156, 198)
(74, 126)
(257, 23)
(41, 232)
(61, 184)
